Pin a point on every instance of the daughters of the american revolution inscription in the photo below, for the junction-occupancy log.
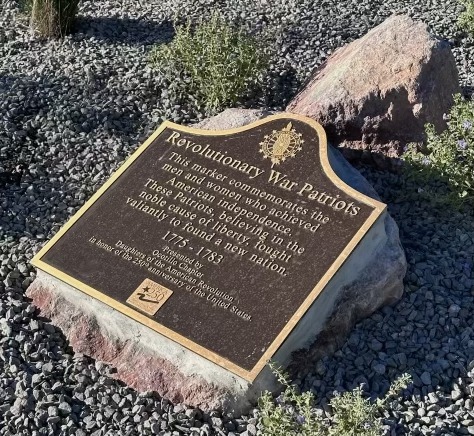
(218, 240)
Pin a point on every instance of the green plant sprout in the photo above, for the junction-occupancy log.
(466, 19)
(293, 413)
(449, 157)
(213, 61)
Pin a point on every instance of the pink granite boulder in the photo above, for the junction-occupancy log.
(374, 95)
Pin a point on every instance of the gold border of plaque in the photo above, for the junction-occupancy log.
(379, 208)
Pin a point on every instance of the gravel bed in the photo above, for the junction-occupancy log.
(72, 110)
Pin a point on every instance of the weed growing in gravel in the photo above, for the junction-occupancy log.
(466, 19)
(25, 5)
(292, 413)
(53, 18)
(213, 61)
(450, 156)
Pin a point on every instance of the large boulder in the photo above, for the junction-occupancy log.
(374, 95)
(231, 119)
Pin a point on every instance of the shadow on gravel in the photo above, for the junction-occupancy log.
(42, 162)
(468, 91)
(126, 30)
(23, 139)
(428, 334)
(432, 325)
(283, 89)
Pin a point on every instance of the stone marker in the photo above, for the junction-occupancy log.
(218, 250)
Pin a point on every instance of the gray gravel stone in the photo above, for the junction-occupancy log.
(426, 378)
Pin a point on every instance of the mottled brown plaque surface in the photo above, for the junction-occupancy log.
(218, 240)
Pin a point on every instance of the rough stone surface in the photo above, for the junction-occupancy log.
(232, 118)
(143, 359)
(374, 95)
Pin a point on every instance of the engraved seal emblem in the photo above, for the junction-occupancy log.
(149, 297)
(281, 144)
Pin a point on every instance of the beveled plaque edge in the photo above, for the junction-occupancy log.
(378, 209)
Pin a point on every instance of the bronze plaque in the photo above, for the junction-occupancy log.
(219, 240)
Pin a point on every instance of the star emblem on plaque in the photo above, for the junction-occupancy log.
(149, 296)
(281, 144)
